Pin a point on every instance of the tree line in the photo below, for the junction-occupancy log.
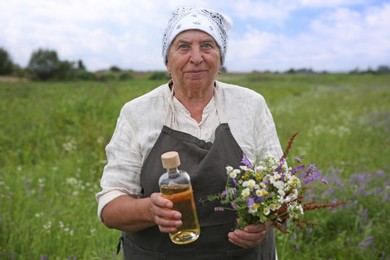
(45, 64)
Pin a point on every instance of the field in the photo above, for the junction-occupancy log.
(52, 140)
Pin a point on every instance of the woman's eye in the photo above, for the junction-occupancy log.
(183, 46)
(206, 45)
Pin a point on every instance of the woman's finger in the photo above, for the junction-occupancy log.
(250, 237)
(167, 219)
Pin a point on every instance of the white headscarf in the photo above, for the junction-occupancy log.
(193, 18)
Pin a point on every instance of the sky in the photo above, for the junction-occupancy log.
(272, 35)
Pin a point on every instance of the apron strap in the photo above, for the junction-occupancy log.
(218, 105)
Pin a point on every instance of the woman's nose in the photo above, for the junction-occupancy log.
(196, 56)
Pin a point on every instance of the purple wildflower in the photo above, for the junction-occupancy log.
(233, 193)
(298, 159)
(325, 180)
(312, 168)
(246, 162)
(294, 236)
(280, 167)
(259, 199)
(361, 180)
(234, 205)
(297, 169)
(229, 193)
(337, 181)
(235, 184)
(250, 202)
(366, 242)
(311, 174)
(364, 214)
(327, 193)
(312, 177)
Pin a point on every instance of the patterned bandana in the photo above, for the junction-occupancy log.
(187, 18)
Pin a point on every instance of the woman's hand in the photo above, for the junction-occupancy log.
(251, 236)
(168, 220)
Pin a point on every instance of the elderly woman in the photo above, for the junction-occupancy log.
(210, 124)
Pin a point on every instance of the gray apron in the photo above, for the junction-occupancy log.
(205, 162)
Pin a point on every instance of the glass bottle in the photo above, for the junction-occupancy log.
(175, 185)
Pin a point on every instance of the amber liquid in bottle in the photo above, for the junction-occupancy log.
(183, 201)
(175, 185)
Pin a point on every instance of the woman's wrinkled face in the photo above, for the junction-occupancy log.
(194, 60)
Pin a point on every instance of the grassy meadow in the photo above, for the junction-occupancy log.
(52, 140)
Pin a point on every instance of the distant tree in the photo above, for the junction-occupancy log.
(115, 69)
(80, 65)
(382, 69)
(84, 75)
(18, 71)
(66, 70)
(126, 75)
(290, 71)
(106, 76)
(44, 64)
(370, 70)
(355, 71)
(6, 64)
(305, 71)
(159, 75)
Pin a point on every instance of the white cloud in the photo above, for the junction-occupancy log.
(250, 47)
(128, 33)
(354, 37)
(83, 29)
(340, 39)
(273, 11)
(329, 3)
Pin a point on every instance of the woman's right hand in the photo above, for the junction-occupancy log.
(167, 219)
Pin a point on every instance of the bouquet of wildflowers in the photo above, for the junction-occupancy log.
(270, 191)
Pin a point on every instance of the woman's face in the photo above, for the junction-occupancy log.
(194, 61)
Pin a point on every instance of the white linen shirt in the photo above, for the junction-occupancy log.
(140, 122)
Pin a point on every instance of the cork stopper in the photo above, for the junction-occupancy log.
(170, 160)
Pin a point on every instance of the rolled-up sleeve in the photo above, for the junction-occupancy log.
(265, 134)
(251, 122)
(121, 175)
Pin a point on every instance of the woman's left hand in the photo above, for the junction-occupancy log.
(250, 236)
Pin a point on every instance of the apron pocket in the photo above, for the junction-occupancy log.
(132, 251)
(242, 254)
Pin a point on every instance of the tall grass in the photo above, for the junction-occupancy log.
(52, 140)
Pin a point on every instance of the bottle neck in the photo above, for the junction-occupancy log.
(173, 172)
